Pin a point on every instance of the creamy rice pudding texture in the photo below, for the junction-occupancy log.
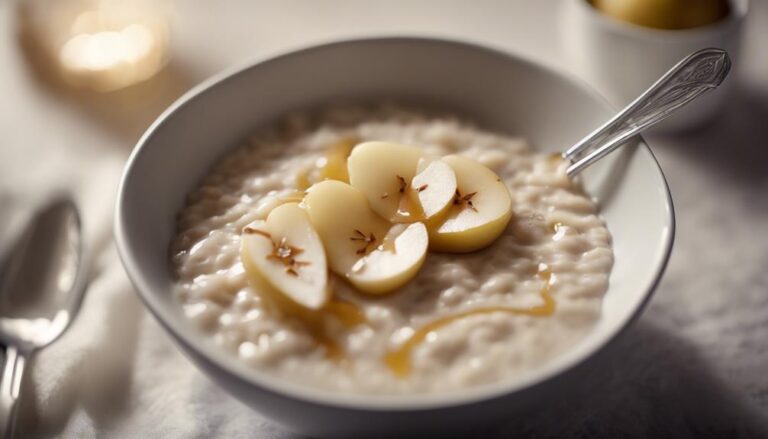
(554, 223)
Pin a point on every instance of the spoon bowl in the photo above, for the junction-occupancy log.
(41, 288)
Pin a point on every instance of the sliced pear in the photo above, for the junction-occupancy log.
(387, 174)
(285, 261)
(361, 246)
(435, 186)
(480, 211)
(382, 171)
(393, 263)
(269, 202)
(345, 223)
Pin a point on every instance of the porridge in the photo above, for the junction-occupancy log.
(464, 318)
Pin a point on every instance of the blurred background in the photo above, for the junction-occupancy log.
(80, 81)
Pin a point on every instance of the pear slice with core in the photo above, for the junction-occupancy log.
(480, 210)
(386, 173)
(285, 261)
(361, 246)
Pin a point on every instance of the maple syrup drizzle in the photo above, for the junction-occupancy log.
(302, 180)
(334, 164)
(349, 315)
(409, 207)
(555, 157)
(399, 361)
(333, 350)
(334, 167)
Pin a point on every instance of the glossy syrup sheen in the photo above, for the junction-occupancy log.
(349, 315)
(399, 361)
(334, 165)
(409, 208)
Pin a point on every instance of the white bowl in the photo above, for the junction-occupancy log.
(623, 59)
(498, 90)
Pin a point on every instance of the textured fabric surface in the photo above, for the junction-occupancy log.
(693, 366)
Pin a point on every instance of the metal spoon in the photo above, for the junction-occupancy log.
(695, 75)
(41, 287)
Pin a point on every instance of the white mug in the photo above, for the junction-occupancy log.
(622, 59)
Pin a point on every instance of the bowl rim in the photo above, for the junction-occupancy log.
(264, 381)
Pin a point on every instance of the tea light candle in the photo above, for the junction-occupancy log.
(103, 45)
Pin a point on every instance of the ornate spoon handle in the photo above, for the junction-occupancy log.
(690, 78)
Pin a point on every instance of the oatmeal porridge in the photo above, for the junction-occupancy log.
(463, 319)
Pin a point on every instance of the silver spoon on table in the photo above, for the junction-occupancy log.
(693, 76)
(41, 287)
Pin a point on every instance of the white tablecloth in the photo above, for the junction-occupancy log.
(694, 365)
